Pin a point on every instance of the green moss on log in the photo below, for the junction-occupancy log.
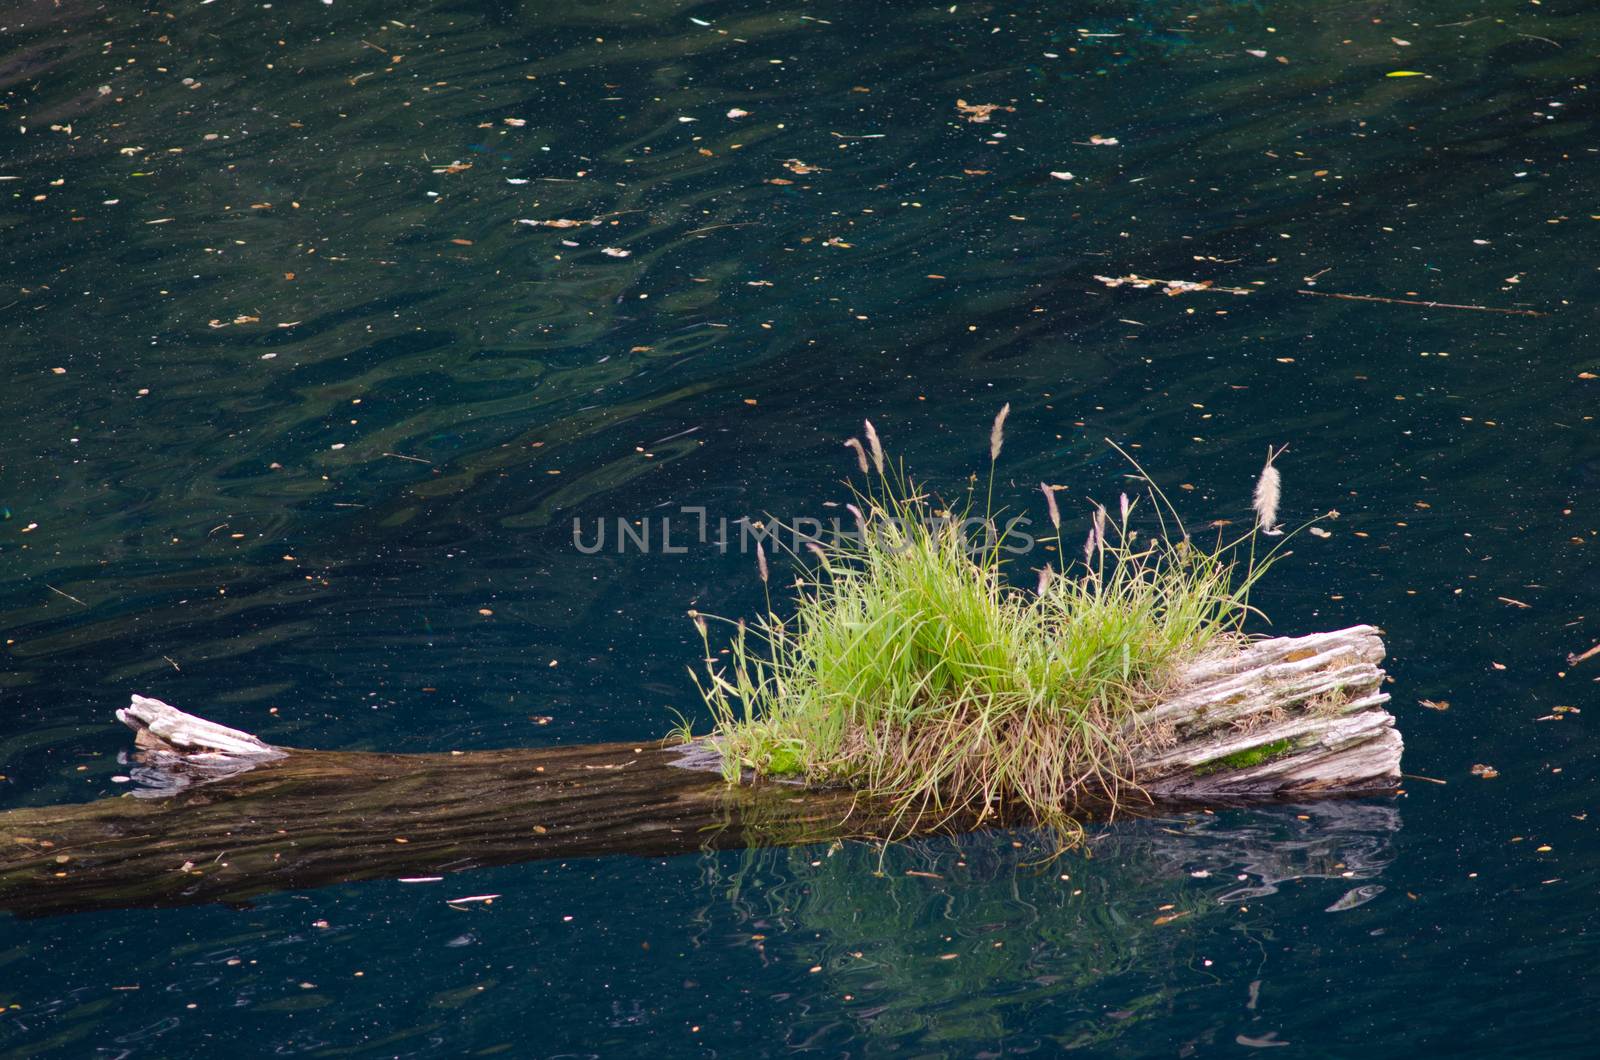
(1250, 756)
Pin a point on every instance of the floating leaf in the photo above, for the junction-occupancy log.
(980, 112)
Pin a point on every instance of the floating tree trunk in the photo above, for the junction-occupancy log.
(220, 815)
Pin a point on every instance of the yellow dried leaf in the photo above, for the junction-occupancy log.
(979, 112)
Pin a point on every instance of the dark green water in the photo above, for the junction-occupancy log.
(243, 266)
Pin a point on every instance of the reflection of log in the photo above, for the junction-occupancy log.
(1285, 717)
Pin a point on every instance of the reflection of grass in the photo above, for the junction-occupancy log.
(984, 947)
(1077, 954)
(911, 671)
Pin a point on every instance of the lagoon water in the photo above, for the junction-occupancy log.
(301, 405)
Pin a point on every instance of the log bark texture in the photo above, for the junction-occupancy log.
(219, 815)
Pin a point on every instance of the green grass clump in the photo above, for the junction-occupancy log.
(912, 671)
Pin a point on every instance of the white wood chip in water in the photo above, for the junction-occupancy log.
(1357, 896)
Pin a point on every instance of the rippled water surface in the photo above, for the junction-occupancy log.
(299, 414)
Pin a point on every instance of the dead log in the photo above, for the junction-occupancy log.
(1286, 716)
(220, 815)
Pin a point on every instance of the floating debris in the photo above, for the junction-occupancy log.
(1424, 304)
(486, 899)
(978, 113)
(1170, 287)
(1573, 660)
(1357, 896)
(1266, 1041)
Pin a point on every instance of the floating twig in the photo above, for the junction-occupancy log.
(1573, 660)
(486, 899)
(69, 596)
(1427, 305)
(713, 228)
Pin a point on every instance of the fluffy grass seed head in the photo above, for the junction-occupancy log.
(861, 520)
(1050, 504)
(1268, 489)
(861, 454)
(997, 433)
(876, 446)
